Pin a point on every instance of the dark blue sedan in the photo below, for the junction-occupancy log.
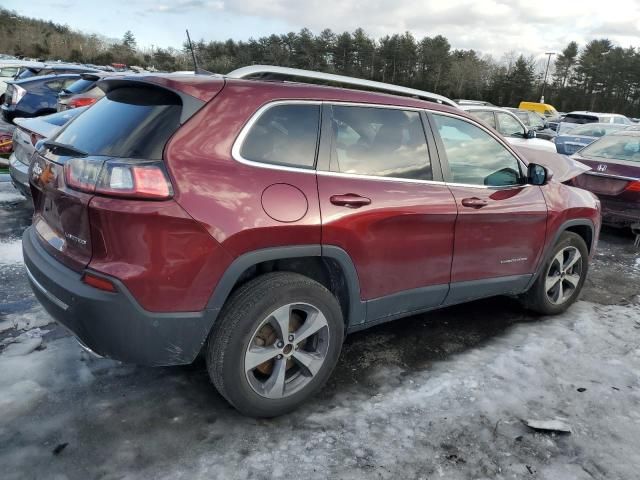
(34, 96)
(572, 138)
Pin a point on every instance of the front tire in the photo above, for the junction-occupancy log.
(275, 343)
(561, 277)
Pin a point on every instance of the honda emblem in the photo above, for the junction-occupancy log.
(602, 167)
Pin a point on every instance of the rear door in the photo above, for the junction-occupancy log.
(383, 201)
(501, 224)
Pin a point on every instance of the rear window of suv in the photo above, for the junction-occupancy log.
(129, 122)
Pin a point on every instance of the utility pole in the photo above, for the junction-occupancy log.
(546, 71)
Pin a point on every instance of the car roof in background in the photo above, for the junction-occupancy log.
(594, 114)
(44, 78)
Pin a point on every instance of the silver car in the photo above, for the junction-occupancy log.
(29, 131)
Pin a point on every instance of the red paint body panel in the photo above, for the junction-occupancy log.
(199, 86)
(503, 238)
(401, 241)
(166, 260)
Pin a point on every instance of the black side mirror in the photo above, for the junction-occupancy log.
(538, 175)
(531, 133)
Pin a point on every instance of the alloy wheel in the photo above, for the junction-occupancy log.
(287, 350)
(563, 276)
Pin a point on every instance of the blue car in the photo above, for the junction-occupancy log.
(34, 96)
(573, 137)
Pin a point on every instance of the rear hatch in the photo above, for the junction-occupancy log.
(113, 149)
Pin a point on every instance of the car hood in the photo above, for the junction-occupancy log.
(532, 143)
(563, 167)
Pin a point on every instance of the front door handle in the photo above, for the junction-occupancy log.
(474, 202)
(350, 200)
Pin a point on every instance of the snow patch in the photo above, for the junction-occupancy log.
(11, 197)
(34, 318)
(11, 252)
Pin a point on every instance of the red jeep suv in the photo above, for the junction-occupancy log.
(258, 221)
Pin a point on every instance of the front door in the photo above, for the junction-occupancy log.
(501, 224)
(383, 201)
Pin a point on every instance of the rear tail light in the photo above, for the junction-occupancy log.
(98, 282)
(633, 186)
(6, 143)
(81, 102)
(18, 93)
(119, 178)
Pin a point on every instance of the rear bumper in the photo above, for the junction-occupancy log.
(620, 214)
(19, 175)
(113, 324)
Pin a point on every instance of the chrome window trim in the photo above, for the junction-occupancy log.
(237, 144)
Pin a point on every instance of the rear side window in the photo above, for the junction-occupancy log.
(80, 86)
(284, 135)
(8, 71)
(474, 156)
(130, 122)
(382, 142)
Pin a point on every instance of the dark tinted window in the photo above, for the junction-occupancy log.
(27, 72)
(486, 117)
(474, 156)
(80, 86)
(383, 142)
(128, 122)
(284, 135)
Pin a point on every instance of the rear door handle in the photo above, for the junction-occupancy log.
(350, 200)
(474, 202)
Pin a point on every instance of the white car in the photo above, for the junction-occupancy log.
(9, 69)
(509, 126)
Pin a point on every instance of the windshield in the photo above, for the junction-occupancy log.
(595, 129)
(129, 122)
(617, 147)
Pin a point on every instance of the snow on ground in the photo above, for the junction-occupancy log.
(11, 252)
(459, 417)
(8, 196)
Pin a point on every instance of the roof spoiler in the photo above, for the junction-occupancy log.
(270, 72)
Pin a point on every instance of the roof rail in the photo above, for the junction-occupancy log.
(269, 70)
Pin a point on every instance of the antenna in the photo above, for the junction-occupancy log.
(193, 53)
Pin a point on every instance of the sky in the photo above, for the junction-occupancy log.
(492, 27)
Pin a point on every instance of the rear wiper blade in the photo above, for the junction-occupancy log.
(51, 144)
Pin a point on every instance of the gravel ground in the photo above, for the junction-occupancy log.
(441, 395)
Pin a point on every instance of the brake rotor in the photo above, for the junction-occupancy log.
(267, 336)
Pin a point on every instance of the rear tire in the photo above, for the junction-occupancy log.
(275, 343)
(561, 277)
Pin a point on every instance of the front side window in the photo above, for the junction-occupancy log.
(509, 126)
(474, 156)
(486, 117)
(383, 142)
(284, 135)
(535, 121)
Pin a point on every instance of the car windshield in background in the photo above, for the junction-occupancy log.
(615, 147)
(595, 129)
(80, 86)
(128, 123)
(8, 71)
